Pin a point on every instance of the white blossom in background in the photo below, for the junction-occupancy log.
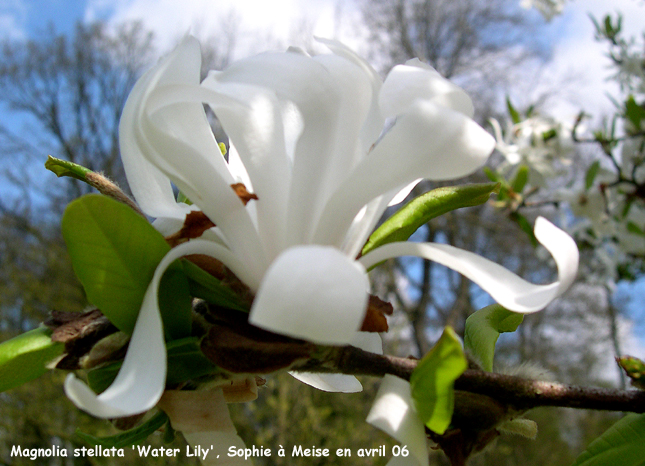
(548, 8)
(541, 143)
(308, 137)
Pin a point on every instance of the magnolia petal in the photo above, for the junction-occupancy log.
(309, 85)
(258, 139)
(356, 100)
(509, 290)
(374, 121)
(393, 412)
(172, 132)
(312, 292)
(340, 383)
(362, 226)
(198, 174)
(403, 193)
(142, 377)
(428, 141)
(368, 341)
(151, 188)
(415, 80)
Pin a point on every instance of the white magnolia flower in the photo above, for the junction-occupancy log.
(306, 138)
(541, 143)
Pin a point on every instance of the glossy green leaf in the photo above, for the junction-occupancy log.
(494, 176)
(114, 253)
(520, 179)
(185, 362)
(432, 382)
(419, 211)
(203, 285)
(622, 444)
(514, 114)
(591, 174)
(64, 168)
(483, 329)
(634, 112)
(525, 225)
(25, 357)
(129, 437)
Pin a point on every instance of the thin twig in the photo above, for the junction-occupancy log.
(510, 390)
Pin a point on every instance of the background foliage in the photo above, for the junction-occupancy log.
(66, 94)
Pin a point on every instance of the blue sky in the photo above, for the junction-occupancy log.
(577, 58)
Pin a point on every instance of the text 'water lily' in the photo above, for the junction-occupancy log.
(307, 138)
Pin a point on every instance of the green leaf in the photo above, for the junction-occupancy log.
(635, 229)
(114, 253)
(521, 178)
(635, 370)
(634, 112)
(432, 382)
(550, 134)
(622, 444)
(185, 362)
(64, 168)
(169, 433)
(129, 437)
(181, 197)
(419, 211)
(175, 302)
(515, 115)
(494, 176)
(25, 357)
(203, 285)
(526, 227)
(483, 329)
(592, 172)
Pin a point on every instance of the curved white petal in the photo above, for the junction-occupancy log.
(403, 193)
(151, 188)
(312, 292)
(368, 341)
(142, 377)
(429, 141)
(168, 127)
(374, 121)
(415, 80)
(393, 412)
(342, 383)
(339, 383)
(333, 96)
(509, 290)
(258, 137)
(201, 175)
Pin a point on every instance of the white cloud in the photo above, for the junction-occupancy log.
(13, 14)
(262, 24)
